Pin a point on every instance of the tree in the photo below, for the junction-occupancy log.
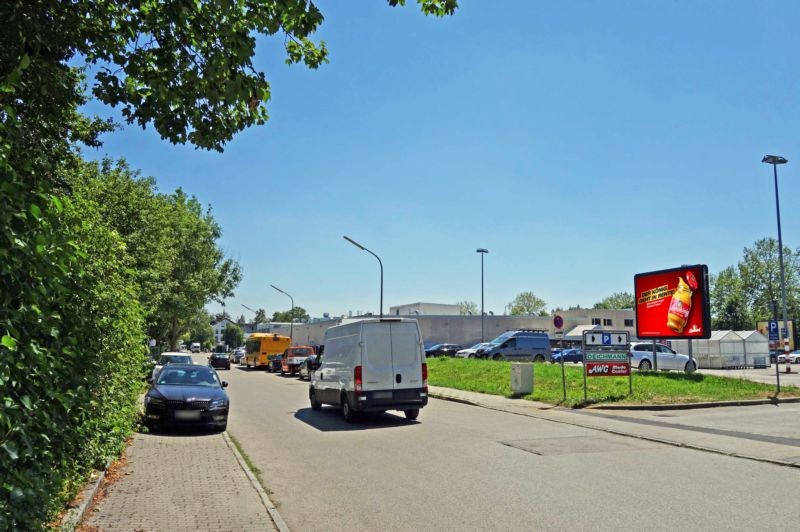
(184, 68)
(233, 336)
(729, 309)
(219, 316)
(298, 314)
(526, 303)
(616, 301)
(759, 270)
(241, 320)
(261, 316)
(467, 308)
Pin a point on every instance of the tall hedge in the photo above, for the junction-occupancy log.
(71, 348)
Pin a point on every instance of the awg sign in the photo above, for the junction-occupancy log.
(608, 369)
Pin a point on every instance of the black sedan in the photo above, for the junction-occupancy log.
(569, 355)
(443, 349)
(219, 360)
(187, 395)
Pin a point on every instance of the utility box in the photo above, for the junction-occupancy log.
(521, 379)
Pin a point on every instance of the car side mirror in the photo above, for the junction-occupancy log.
(224, 384)
(149, 380)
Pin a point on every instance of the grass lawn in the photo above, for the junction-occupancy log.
(672, 387)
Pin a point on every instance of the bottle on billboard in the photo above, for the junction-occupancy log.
(681, 303)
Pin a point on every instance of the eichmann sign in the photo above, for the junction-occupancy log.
(607, 355)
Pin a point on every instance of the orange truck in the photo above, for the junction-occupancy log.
(293, 357)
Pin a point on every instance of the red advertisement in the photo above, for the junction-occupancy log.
(607, 369)
(673, 304)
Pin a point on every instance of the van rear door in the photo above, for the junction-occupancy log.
(406, 355)
(376, 361)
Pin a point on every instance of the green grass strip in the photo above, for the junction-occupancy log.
(674, 387)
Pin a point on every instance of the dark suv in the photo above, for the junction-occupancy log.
(219, 361)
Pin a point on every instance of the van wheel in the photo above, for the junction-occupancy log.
(498, 356)
(347, 410)
(315, 404)
(538, 358)
(411, 414)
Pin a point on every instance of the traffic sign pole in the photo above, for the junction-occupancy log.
(558, 323)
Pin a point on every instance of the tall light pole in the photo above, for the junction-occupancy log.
(483, 252)
(291, 314)
(359, 246)
(775, 160)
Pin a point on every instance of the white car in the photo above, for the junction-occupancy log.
(470, 352)
(794, 358)
(642, 357)
(170, 358)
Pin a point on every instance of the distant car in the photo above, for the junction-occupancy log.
(308, 365)
(275, 364)
(641, 354)
(170, 358)
(195, 347)
(569, 355)
(237, 355)
(187, 394)
(794, 358)
(219, 360)
(443, 349)
(471, 352)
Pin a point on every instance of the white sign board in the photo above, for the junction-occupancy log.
(606, 338)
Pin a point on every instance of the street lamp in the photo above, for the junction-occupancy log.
(359, 246)
(483, 252)
(775, 160)
(291, 314)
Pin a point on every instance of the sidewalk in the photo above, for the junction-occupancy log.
(182, 481)
(766, 433)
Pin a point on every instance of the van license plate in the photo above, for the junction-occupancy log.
(187, 414)
(382, 395)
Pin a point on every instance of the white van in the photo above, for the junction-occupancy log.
(195, 347)
(372, 365)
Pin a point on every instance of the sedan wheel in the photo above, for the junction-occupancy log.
(691, 367)
(645, 365)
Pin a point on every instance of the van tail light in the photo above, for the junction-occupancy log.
(357, 379)
(425, 376)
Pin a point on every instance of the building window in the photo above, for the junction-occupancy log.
(608, 321)
(595, 321)
(628, 323)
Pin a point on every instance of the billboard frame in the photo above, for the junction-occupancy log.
(705, 310)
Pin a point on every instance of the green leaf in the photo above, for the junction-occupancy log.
(11, 449)
(9, 342)
(26, 402)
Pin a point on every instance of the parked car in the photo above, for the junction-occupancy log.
(794, 358)
(641, 354)
(219, 360)
(275, 364)
(307, 366)
(569, 355)
(523, 344)
(471, 352)
(442, 349)
(187, 394)
(372, 365)
(195, 347)
(170, 358)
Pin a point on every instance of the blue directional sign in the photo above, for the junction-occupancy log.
(773, 329)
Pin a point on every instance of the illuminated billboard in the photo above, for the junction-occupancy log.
(673, 304)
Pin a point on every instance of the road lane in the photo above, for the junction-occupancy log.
(462, 467)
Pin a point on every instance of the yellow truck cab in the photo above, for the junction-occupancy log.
(261, 348)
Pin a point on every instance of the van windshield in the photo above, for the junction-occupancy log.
(502, 338)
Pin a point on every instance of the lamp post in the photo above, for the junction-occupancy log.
(359, 246)
(775, 160)
(483, 252)
(291, 314)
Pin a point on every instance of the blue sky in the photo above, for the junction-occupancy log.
(580, 142)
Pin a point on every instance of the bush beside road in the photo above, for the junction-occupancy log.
(648, 388)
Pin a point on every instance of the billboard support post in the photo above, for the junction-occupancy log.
(655, 356)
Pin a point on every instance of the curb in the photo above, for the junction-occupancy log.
(280, 524)
(690, 406)
(74, 516)
(629, 434)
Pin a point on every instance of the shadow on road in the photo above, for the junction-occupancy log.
(329, 419)
(180, 431)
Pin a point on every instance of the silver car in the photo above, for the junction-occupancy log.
(470, 352)
(642, 358)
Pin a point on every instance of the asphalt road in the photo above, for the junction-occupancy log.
(468, 468)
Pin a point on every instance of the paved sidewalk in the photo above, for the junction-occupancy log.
(768, 433)
(182, 481)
